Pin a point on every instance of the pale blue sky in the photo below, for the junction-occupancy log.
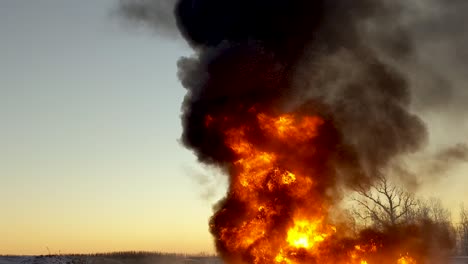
(89, 158)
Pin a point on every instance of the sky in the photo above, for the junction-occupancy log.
(89, 153)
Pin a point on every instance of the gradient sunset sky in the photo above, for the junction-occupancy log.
(90, 120)
(89, 152)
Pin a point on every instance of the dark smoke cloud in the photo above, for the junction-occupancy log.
(430, 166)
(435, 69)
(342, 54)
(439, 64)
(458, 152)
(157, 15)
(446, 159)
(351, 62)
(278, 52)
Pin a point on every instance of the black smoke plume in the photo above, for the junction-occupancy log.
(331, 58)
(284, 54)
(158, 15)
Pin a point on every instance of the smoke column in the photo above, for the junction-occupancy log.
(288, 54)
(309, 64)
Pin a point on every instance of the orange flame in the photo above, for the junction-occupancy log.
(261, 180)
(406, 260)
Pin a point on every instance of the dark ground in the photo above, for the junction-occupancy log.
(113, 258)
(132, 258)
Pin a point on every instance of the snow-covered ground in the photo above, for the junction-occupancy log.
(118, 260)
(163, 259)
(12, 260)
(37, 260)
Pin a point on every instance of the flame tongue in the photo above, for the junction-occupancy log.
(269, 217)
(276, 209)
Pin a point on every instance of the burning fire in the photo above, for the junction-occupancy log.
(304, 235)
(275, 211)
(296, 101)
(406, 260)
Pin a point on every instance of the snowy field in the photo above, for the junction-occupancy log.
(159, 259)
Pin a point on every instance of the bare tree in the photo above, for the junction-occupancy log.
(388, 206)
(431, 214)
(431, 210)
(463, 231)
(439, 213)
(384, 204)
